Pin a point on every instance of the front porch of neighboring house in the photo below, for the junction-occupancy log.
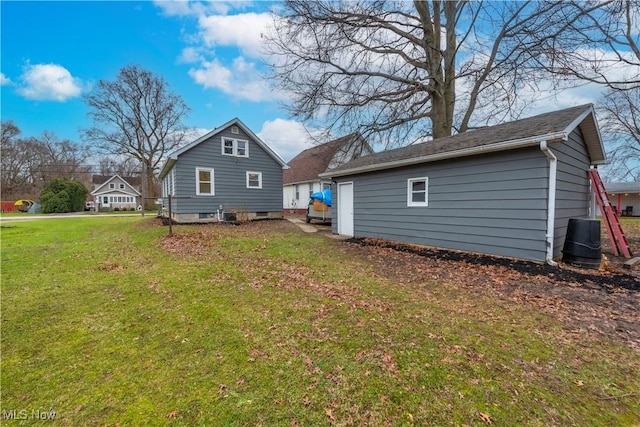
(117, 201)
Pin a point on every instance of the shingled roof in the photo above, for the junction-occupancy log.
(554, 126)
(307, 165)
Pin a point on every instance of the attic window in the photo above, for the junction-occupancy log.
(234, 130)
(235, 147)
(122, 186)
(112, 185)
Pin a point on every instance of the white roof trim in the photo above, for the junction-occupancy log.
(489, 148)
(233, 122)
(97, 190)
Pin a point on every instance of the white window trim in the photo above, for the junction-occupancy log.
(112, 186)
(235, 147)
(210, 170)
(259, 179)
(410, 202)
(121, 186)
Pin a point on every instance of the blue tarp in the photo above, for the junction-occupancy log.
(322, 196)
(35, 208)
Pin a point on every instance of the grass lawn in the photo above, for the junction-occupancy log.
(107, 321)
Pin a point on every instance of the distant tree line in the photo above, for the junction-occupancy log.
(30, 163)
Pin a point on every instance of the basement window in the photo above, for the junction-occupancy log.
(418, 192)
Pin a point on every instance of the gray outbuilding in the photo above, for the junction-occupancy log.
(506, 190)
(227, 174)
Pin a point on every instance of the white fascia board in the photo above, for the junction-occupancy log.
(490, 148)
(167, 166)
(233, 122)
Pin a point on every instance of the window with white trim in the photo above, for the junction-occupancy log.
(112, 186)
(204, 182)
(235, 147)
(121, 186)
(254, 179)
(418, 191)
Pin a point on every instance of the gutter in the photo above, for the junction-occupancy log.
(551, 201)
(489, 148)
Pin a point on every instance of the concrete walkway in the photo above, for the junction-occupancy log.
(307, 228)
(314, 228)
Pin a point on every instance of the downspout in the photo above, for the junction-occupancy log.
(551, 201)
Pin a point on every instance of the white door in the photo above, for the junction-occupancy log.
(345, 209)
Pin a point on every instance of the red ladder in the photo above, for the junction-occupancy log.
(619, 242)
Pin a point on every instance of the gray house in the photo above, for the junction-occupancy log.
(116, 192)
(506, 190)
(226, 174)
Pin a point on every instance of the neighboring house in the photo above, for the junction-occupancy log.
(301, 178)
(506, 190)
(227, 173)
(624, 197)
(111, 192)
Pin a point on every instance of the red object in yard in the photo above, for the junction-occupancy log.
(7, 207)
(619, 242)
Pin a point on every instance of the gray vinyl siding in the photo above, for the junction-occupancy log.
(494, 204)
(229, 178)
(572, 186)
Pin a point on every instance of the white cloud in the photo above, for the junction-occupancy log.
(289, 137)
(241, 80)
(242, 30)
(198, 8)
(49, 82)
(190, 55)
(195, 133)
(4, 80)
(241, 77)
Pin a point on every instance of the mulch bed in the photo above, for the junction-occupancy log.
(591, 303)
(606, 280)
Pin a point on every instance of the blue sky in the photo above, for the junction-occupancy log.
(53, 52)
(209, 52)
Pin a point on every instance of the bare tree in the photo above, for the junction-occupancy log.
(620, 120)
(399, 70)
(28, 164)
(137, 115)
(118, 165)
(593, 41)
(12, 159)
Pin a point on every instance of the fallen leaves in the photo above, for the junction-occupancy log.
(602, 303)
(485, 417)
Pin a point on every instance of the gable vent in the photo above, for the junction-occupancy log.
(234, 129)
